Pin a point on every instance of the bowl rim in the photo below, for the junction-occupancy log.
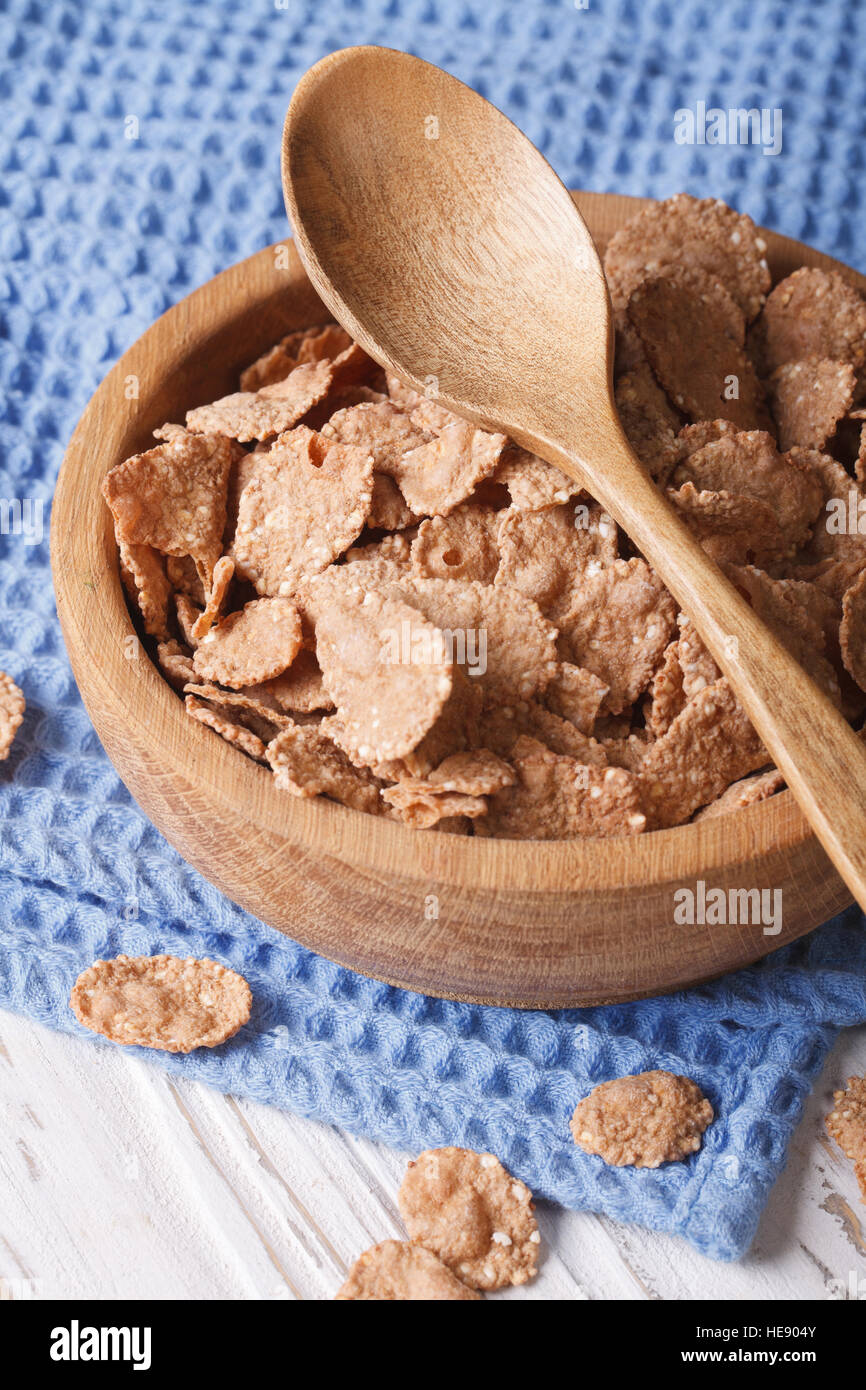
(83, 551)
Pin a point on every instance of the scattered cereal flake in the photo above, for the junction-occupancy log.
(184, 577)
(812, 313)
(847, 1121)
(388, 692)
(667, 695)
(324, 342)
(852, 632)
(558, 798)
(466, 1208)
(698, 667)
(307, 503)
(642, 1121)
(421, 805)
(694, 437)
(259, 642)
(747, 792)
(161, 1001)
(253, 700)
(835, 534)
(749, 464)
(476, 773)
(697, 368)
(436, 476)
(548, 554)
(730, 527)
(497, 634)
(502, 725)
(382, 430)
(576, 695)
(248, 415)
(143, 572)
(188, 614)
(617, 627)
(649, 421)
(809, 398)
(301, 688)
(173, 497)
(710, 744)
(388, 557)
(224, 722)
(461, 545)
(12, 708)
(531, 482)
(307, 763)
(794, 612)
(223, 573)
(175, 662)
(388, 511)
(701, 234)
(396, 1272)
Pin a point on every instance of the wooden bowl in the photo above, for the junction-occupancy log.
(536, 925)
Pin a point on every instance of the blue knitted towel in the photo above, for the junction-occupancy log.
(140, 156)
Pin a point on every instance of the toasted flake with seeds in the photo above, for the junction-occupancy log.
(301, 688)
(381, 429)
(183, 576)
(697, 368)
(421, 805)
(325, 342)
(843, 502)
(143, 572)
(628, 752)
(388, 693)
(254, 700)
(175, 662)
(173, 497)
(667, 696)
(262, 414)
(475, 773)
(749, 791)
(12, 706)
(307, 763)
(557, 798)
(710, 744)
(847, 1121)
(642, 1121)
(576, 695)
(502, 725)
(698, 667)
(223, 574)
(795, 612)
(161, 1002)
(809, 398)
(388, 511)
(306, 504)
(650, 422)
(852, 632)
(748, 464)
(256, 644)
(732, 528)
(188, 614)
(461, 545)
(470, 1212)
(532, 483)
(397, 1272)
(701, 234)
(435, 477)
(224, 722)
(617, 627)
(389, 557)
(812, 313)
(548, 554)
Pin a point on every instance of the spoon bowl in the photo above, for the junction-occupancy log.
(462, 259)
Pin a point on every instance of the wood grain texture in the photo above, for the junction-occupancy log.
(535, 925)
(121, 1181)
(477, 271)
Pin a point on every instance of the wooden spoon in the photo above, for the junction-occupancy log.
(445, 244)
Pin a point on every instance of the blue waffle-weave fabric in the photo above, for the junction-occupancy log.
(140, 155)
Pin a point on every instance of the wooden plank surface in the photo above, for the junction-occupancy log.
(119, 1181)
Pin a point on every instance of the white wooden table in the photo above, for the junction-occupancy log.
(117, 1181)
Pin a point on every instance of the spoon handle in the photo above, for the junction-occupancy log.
(820, 756)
